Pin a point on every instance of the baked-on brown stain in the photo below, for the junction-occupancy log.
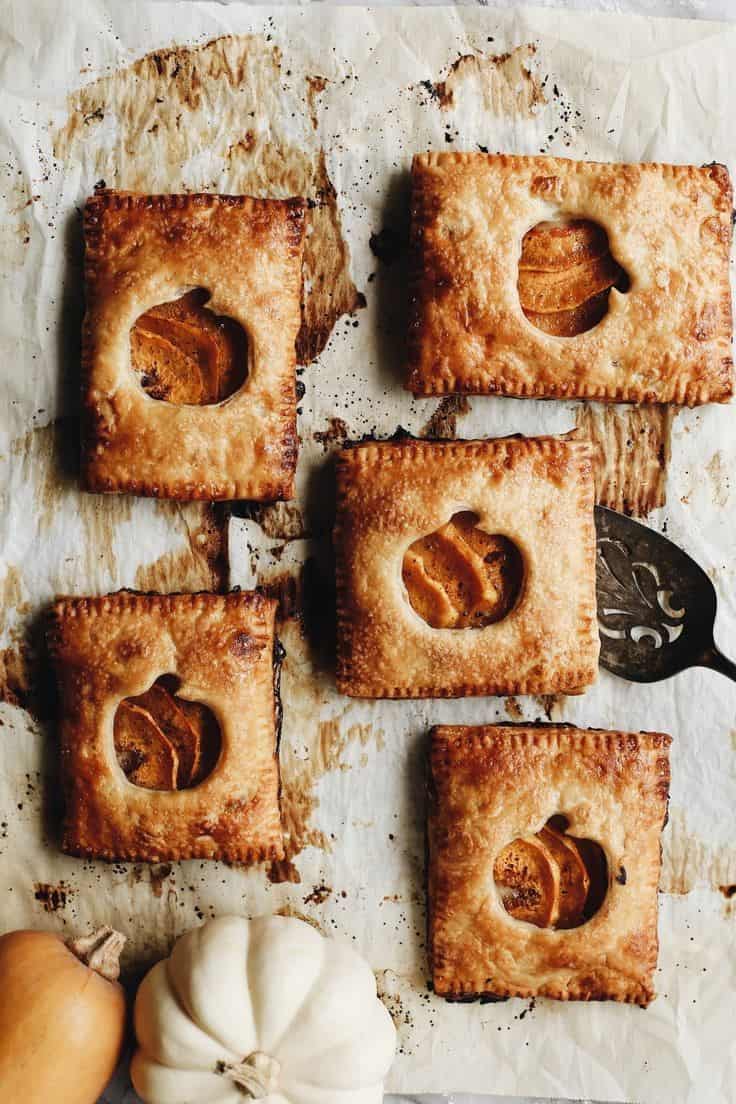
(632, 447)
(337, 433)
(202, 564)
(443, 423)
(513, 709)
(45, 459)
(689, 862)
(566, 272)
(52, 897)
(551, 879)
(461, 577)
(719, 471)
(551, 704)
(185, 354)
(164, 742)
(161, 110)
(300, 773)
(16, 678)
(505, 82)
(158, 876)
(319, 895)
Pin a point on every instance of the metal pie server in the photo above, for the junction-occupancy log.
(656, 606)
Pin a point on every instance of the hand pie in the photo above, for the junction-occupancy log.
(167, 716)
(548, 278)
(193, 307)
(519, 906)
(465, 567)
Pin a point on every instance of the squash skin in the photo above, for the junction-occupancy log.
(62, 1025)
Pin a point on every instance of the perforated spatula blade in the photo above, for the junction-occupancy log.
(656, 605)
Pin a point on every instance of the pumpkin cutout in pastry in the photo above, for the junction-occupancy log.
(551, 879)
(462, 577)
(164, 742)
(264, 1009)
(566, 271)
(185, 354)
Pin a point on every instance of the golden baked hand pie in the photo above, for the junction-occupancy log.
(137, 779)
(193, 307)
(539, 276)
(465, 567)
(492, 791)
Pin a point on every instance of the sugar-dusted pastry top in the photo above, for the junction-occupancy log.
(492, 792)
(665, 335)
(465, 567)
(116, 653)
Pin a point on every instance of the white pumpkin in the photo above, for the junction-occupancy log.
(264, 1009)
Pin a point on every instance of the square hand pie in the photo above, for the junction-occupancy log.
(548, 278)
(193, 307)
(465, 567)
(168, 731)
(544, 858)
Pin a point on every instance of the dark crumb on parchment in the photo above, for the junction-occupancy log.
(388, 244)
(52, 897)
(319, 895)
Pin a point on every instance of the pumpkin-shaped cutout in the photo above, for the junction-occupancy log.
(264, 1009)
(164, 741)
(552, 879)
(185, 354)
(462, 577)
(566, 272)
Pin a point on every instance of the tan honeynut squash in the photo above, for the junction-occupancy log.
(62, 1016)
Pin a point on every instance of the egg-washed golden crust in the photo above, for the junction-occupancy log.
(538, 492)
(141, 251)
(489, 785)
(667, 339)
(221, 648)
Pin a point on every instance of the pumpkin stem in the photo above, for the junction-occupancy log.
(257, 1074)
(100, 951)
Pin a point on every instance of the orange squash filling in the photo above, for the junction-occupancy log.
(164, 742)
(185, 354)
(566, 272)
(461, 577)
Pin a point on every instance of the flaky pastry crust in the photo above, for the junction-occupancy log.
(221, 648)
(141, 251)
(538, 492)
(667, 339)
(490, 785)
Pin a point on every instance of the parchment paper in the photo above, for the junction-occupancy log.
(596, 87)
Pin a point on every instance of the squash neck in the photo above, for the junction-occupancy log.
(257, 1075)
(100, 951)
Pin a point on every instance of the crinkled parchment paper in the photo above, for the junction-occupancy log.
(332, 103)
